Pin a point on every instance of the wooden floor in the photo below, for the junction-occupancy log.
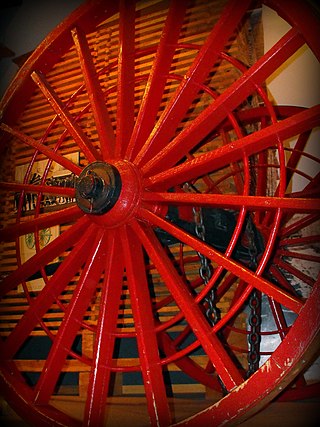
(131, 413)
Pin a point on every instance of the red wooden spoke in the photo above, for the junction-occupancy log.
(9, 233)
(73, 128)
(157, 403)
(311, 189)
(297, 154)
(235, 167)
(239, 270)
(250, 144)
(298, 255)
(234, 201)
(291, 166)
(95, 94)
(279, 318)
(295, 271)
(46, 255)
(32, 188)
(67, 164)
(71, 321)
(145, 329)
(279, 276)
(186, 364)
(297, 241)
(61, 278)
(157, 78)
(199, 70)
(299, 224)
(126, 73)
(211, 117)
(195, 317)
(105, 336)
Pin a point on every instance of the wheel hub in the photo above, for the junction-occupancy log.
(98, 188)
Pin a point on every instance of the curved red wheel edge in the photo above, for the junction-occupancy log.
(302, 15)
(46, 55)
(17, 395)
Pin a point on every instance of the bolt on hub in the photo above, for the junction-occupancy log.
(98, 188)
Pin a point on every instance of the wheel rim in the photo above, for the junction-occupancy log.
(139, 162)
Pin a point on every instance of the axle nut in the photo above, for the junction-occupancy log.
(98, 188)
(90, 186)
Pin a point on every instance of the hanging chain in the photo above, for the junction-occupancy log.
(254, 335)
(205, 272)
(212, 312)
(252, 249)
(255, 307)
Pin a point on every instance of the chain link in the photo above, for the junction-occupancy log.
(254, 335)
(255, 307)
(212, 312)
(252, 249)
(205, 271)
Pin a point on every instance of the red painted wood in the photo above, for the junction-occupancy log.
(158, 77)
(67, 164)
(227, 101)
(44, 221)
(49, 52)
(71, 321)
(234, 201)
(99, 381)
(279, 318)
(246, 146)
(186, 364)
(299, 224)
(49, 295)
(263, 285)
(73, 128)
(305, 19)
(49, 252)
(17, 392)
(197, 73)
(195, 317)
(95, 93)
(158, 406)
(31, 188)
(246, 398)
(126, 76)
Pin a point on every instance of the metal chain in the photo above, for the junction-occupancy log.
(254, 335)
(255, 307)
(205, 272)
(212, 312)
(252, 249)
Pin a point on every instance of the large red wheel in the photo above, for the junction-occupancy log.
(178, 221)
